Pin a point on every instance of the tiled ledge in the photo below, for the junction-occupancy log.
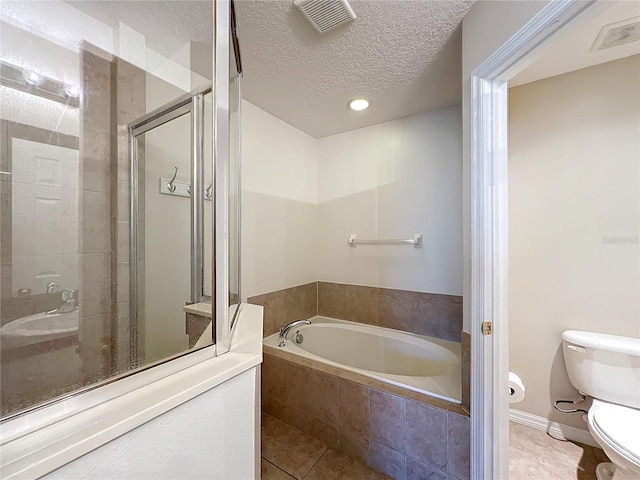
(430, 314)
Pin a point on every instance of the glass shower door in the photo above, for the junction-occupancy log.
(171, 151)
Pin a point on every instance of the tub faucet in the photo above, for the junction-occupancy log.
(69, 297)
(284, 330)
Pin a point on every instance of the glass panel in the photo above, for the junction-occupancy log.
(163, 274)
(234, 186)
(70, 87)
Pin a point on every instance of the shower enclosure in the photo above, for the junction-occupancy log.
(171, 141)
(176, 140)
(118, 207)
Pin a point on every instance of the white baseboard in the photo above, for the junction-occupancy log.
(555, 429)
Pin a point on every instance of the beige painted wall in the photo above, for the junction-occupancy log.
(487, 26)
(302, 197)
(279, 203)
(574, 210)
(392, 180)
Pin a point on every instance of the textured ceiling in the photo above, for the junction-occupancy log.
(166, 24)
(571, 49)
(403, 56)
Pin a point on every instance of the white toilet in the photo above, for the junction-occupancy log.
(607, 368)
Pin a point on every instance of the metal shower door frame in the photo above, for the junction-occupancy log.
(189, 104)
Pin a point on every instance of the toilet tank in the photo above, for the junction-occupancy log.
(604, 366)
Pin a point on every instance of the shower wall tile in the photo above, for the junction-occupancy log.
(123, 332)
(95, 232)
(123, 204)
(95, 347)
(95, 210)
(95, 284)
(95, 145)
(123, 282)
(123, 240)
(423, 313)
(95, 138)
(284, 306)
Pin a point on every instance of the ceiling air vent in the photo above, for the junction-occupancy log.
(326, 14)
(618, 33)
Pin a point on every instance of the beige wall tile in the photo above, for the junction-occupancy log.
(354, 407)
(354, 444)
(313, 391)
(420, 471)
(458, 446)
(285, 306)
(387, 420)
(423, 313)
(95, 230)
(388, 461)
(274, 378)
(95, 284)
(429, 448)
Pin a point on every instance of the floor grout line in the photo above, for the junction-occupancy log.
(316, 462)
(284, 471)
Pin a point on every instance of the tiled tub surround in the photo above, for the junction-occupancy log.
(287, 305)
(429, 314)
(402, 433)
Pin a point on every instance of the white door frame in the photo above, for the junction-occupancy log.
(489, 296)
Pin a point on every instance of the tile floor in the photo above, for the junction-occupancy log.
(289, 454)
(535, 455)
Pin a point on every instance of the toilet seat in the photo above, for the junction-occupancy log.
(619, 427)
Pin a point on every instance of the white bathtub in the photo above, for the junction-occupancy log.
(423, 364)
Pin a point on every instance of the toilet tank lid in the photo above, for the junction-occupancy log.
(603, 341)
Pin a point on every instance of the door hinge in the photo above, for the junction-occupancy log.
(486, 328)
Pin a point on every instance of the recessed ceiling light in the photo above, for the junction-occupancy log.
(359, 104)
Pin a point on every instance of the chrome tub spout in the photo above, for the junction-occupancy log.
(284, 330)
